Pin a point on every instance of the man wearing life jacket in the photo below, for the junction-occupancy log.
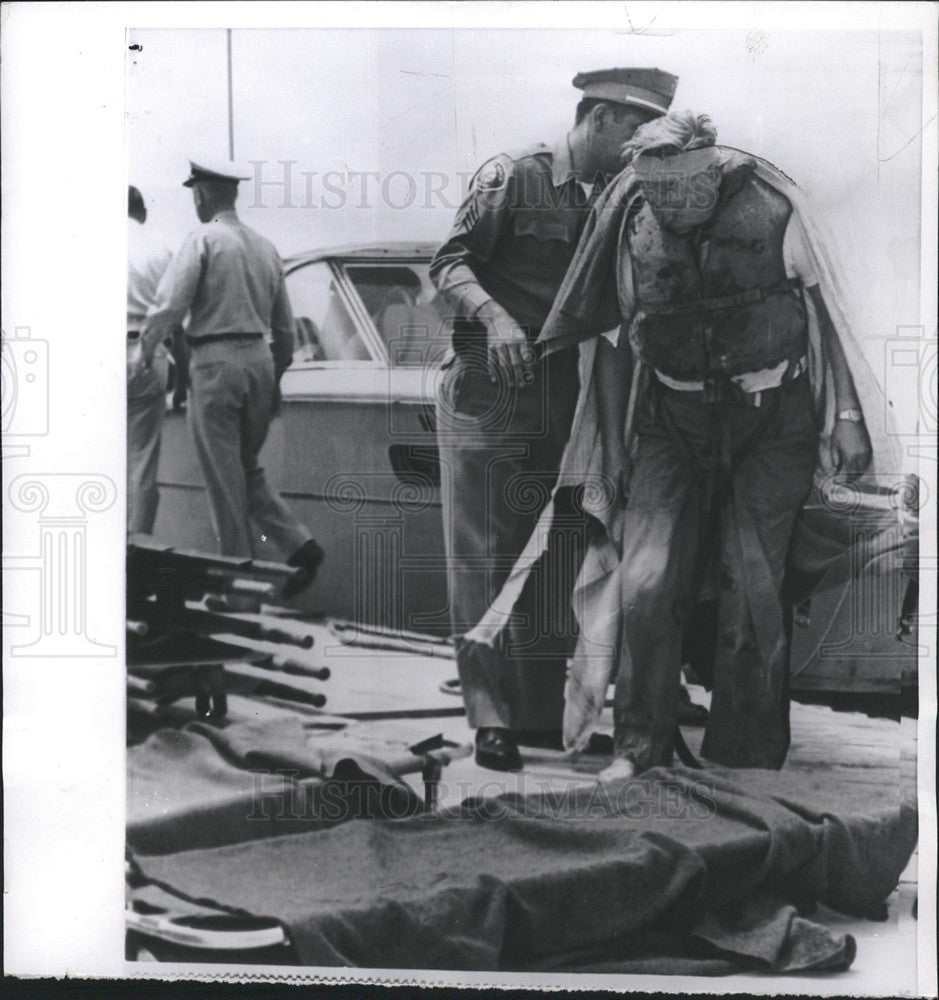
(729, 365)
(503, 417)
(722, 276)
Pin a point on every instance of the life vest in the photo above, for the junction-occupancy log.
(712, 296)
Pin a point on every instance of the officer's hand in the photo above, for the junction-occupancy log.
(275, 400)
(510, 352)
(850, 446)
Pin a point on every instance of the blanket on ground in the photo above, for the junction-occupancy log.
(676, 871)
(201, 786)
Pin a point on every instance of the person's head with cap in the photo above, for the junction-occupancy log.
(136, 209)
(615, 103)
(214, 188)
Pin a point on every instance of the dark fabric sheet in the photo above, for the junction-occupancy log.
(577, 879)
(202, 786)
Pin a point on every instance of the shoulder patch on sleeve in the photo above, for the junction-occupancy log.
(491, 176)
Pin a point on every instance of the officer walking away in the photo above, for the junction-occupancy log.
(504, 417)
(230, 280)
(146, 383)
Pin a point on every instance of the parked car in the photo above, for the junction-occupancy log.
(354, 453)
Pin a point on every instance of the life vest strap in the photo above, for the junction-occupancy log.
(717, 303)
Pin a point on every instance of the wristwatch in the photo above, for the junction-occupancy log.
(855, 416)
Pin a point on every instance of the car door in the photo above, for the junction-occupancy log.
(360, 461)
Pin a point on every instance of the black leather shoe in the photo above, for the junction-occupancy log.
(690, 714)
(307, 561)
(600, 744)
(497, 750)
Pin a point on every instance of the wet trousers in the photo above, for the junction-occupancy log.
(716, 484)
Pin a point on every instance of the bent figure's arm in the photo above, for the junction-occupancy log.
(845, 393)
(850, 442)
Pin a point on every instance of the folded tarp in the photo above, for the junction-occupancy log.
(707, 864)
(202, 786)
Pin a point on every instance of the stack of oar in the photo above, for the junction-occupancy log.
(401, 640)
(178, 602)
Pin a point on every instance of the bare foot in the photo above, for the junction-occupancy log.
(622, 769)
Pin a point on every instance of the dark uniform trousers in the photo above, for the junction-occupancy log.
(500, 449)
(680, 514)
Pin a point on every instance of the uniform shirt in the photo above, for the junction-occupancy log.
(514, 235)
(229, 279)
(146, 265)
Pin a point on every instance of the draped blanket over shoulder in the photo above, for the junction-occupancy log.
(599, 295)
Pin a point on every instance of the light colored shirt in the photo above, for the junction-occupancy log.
(146, 265)
(229, 279)
(797, 255)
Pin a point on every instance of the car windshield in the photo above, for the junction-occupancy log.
(326, 331)
(405, 308)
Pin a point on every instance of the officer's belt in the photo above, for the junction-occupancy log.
(748, 297)
(214, 338)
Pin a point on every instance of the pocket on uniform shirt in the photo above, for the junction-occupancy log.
(545, 225)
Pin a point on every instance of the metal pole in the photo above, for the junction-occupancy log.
(231, 111)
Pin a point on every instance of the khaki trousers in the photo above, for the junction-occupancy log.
(146, 403)
(231, 388)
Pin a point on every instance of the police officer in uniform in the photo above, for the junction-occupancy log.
(504, 417)
(230, 280)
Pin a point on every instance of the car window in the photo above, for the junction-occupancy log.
(408, 314)
(325, 330)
